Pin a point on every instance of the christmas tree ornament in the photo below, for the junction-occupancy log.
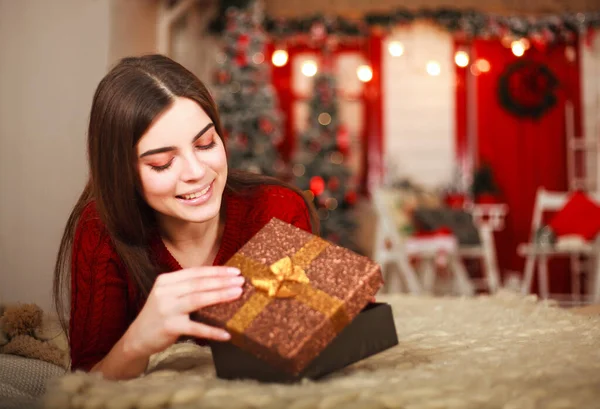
(317, 185)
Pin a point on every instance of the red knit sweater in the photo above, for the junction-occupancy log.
(103, 297)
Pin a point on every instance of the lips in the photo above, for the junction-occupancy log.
(196, 194)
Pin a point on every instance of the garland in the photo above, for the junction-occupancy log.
(462, 23)
(526, 89)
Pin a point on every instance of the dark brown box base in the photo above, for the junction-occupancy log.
(371, 332)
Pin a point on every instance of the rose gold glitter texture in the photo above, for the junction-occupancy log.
(289, 333)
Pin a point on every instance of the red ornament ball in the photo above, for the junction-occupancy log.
(266, 126)
(244, 39)
(317, 185)
(351, 197)
(223, 77)
(241, 60)
(333, 183)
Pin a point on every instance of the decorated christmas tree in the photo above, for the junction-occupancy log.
(319, 167)
(247, 100)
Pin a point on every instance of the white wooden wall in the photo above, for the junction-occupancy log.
(419, 118)
(590, 84)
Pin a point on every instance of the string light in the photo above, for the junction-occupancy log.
(507, 41)
(461, 58)
(364, 73)
(483, 65)
(518, 48)
(395, 48)
(309, 68)
(279, 58)
(433, 68)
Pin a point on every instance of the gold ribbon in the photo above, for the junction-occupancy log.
(285, 278)
(283, 270)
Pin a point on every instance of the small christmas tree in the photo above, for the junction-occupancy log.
(246, 98)
(319, 165)
(484, 186)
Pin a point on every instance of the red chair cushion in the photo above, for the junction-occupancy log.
(579, 216)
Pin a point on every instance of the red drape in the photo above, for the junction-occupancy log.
(524, 153)
(373, 119)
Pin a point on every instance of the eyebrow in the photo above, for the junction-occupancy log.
(172, 148)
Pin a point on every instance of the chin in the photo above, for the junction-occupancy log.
(204, 213)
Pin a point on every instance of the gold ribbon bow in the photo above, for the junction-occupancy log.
(285, 278)
(283, 270)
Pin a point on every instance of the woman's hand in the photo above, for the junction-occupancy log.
(165, 316)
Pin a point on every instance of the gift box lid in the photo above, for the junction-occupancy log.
(300, 292)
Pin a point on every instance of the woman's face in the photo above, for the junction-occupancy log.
(182, 164)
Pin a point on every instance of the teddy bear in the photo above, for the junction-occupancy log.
(25, 331)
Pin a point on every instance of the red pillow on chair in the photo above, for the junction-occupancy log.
(580, 216)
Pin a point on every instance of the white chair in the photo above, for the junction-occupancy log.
(487, 218)
(427, 249)
(388, 248)
(547, 201)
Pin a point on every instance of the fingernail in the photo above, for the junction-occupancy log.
(235, 291)
(238, 280)
(234, 270)
(225, 336)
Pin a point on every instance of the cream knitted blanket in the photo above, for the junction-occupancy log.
(505, 351)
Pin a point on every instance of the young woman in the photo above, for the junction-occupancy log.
(160, 213)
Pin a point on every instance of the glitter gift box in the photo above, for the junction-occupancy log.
(301, 297)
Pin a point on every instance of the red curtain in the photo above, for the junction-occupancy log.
(524, 153)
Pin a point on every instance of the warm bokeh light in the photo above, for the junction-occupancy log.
(518, 48)
(461, 58)
(364, 73)
(309, 68)
(279, 58)
(324, 118)
(258, 58)
(433, 68)
(483, 65)
(395, 48)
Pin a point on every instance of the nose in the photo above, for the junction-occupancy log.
(193, 169)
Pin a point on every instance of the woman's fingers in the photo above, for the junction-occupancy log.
(199, 330)
(196, 272)
(183, 325)
(192, 285)
(194, 301)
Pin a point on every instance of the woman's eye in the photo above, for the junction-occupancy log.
(206, 147)
(160, 168)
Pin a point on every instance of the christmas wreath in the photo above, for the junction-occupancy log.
(527, 89)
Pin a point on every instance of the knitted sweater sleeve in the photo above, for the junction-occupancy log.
(284, 204)
(99, 307)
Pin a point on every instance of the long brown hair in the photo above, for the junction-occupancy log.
(126, 102)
